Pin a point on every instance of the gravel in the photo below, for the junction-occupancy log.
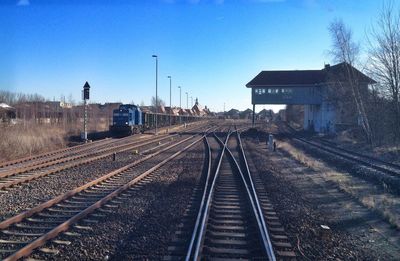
(304, 202)
(143, 224)
(40, 190)
(385, 180)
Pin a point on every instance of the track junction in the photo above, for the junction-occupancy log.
(199, 193)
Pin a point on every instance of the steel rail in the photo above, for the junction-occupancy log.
(68, 166)
(196, 226)
(18, 218)
(206, 211)
(104, 151)
(351, 158)
(393, 165)
(270, 251)
(87, 152)
(54, 155)
(75, 164)
(351, 155)
(27, 249)
(257, 212)
(54, 152)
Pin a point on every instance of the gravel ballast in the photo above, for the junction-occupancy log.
(28, 195)
(305, 202)
(143, 223)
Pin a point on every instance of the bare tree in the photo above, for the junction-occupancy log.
(160, 101)
(384, 41)
(7, 97)
(345, 50)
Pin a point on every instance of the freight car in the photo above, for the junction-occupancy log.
(129, 119)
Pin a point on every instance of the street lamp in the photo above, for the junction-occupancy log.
(191, 98)
(180, 104)
(170, 106)
(187, 100)
(155, 56)
(180, 97)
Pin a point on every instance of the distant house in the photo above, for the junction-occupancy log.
(7, 113)
(66, 105)
(172, 111)
(266, 115)
(189, 112)
(199, 110)
(146, 109)
(161, 109)
(40, 111)
(282, 115)
(232, 114)
(208, 112)
(246, 114)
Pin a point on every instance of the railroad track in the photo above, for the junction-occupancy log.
(374, 163)
(227, 219)
(43, 157)
(371, 162)
(231, 225)
(71, 151)
(23, 233)
(45, 166)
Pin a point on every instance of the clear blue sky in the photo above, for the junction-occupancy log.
(212, 48)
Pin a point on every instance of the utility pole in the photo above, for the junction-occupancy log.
(170, 106)
(155, 56)
(180, 104)
(180, 97)
(224, 110)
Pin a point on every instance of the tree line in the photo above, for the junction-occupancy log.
(379, 109)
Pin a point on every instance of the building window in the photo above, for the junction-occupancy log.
(260, 91)
(288, 90)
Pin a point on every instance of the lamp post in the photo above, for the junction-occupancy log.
(155, 56)
(187, 100)
(224, 110)
(180, 97)
(180, 104)
(191, 98)
(170, 106)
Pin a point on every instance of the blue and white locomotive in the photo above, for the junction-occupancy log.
(127, 120)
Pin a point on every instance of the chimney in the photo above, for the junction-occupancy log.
(327, 66)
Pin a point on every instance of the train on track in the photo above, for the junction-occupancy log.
(129, 119)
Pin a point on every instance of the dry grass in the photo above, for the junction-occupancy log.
(20, 141)
(369, 195)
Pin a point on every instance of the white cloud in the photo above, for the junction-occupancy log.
(23, 2)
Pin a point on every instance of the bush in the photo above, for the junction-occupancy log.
(23, 140)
